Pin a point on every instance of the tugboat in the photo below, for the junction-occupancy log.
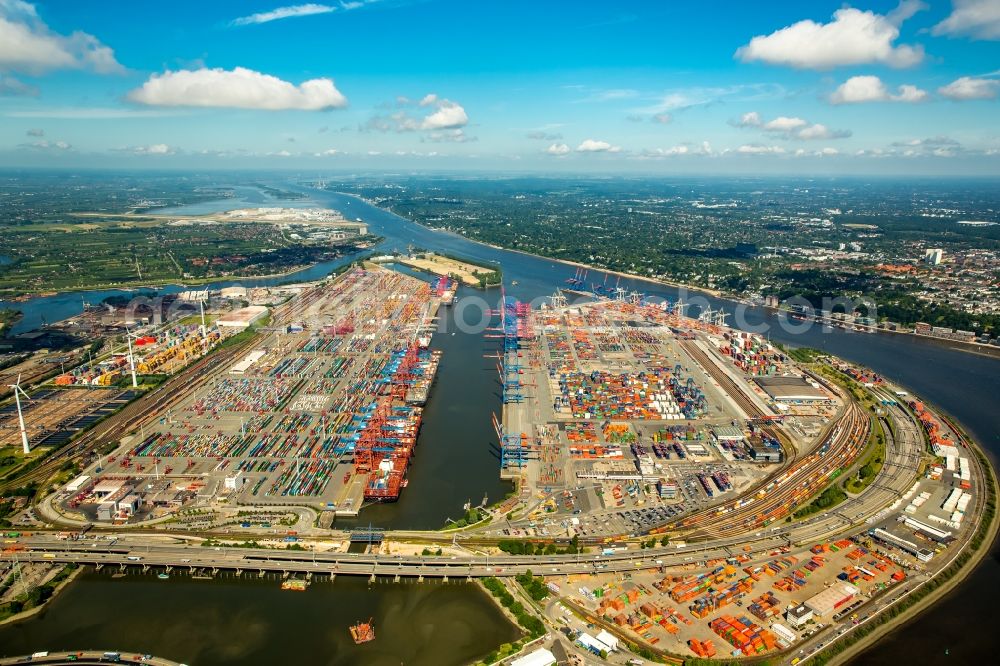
(363, 632)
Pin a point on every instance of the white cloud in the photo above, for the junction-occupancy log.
(558, 149)
(595, 146)
(687, 98)
(154, 149)
(328, 153)
(861, 89)
(35, 132)
(28, 45)
(790, 127)
(9, 86)
(757, 149)
(662, 118)
(784, 124)
(820, 131)
(853, 37)
(542, 135)
(448, 115)
(979, 19)
(450, 136)
(823, 152)
(294, 11)
(967, 87)
(911, 94)
(239, 88)
(52, 146)
(609, 95)
(705, 148)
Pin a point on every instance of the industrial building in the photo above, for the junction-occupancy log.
(763, 454)
(794, 389)
(832, 599)
(799, 615)
(540, 657)
(242, 318)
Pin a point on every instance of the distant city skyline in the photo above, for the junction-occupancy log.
(869, 87)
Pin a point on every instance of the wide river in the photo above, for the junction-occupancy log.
(456, 462)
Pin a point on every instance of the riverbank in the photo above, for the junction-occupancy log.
(986, 537)
(735, 299)
(967, 347)
(60, 586)
(186, 284)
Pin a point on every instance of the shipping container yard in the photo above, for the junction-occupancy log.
(743, 606)
(628, 416)
(324, 411)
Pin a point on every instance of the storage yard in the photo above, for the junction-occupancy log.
(324, 411)
(624, 417)
(739, 607)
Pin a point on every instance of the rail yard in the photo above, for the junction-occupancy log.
(668, 470)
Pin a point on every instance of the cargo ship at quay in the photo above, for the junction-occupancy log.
(445, 289)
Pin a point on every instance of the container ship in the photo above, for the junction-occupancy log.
(427, 371)
(385, 445)
(363, 632)
(445, 290)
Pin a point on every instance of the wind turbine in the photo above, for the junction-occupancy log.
(204, 337)
(18, 392)
(131, 359)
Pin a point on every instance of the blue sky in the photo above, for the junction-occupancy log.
(647, 87)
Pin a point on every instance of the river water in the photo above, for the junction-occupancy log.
(456, 460)
(252, 622)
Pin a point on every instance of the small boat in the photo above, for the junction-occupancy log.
(163, 576)
(294, 584)
(363, 632)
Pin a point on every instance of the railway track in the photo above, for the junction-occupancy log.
(743, 401)
(783, 494)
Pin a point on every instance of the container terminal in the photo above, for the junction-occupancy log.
(614, 406)
(681, 454)
(323, 410)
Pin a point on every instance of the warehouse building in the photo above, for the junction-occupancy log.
(791, 389)
(728, 434)
(832, 599)
(763, 454)
(243, 317)
(540, 657)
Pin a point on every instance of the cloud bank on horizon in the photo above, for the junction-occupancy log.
(234, 83)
